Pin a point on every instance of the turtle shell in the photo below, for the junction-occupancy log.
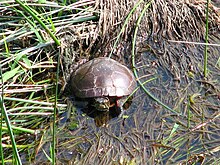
(102, 77)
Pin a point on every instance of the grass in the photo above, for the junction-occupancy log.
(133, 62)
(33, 109)
(206, 40)
(39, 42)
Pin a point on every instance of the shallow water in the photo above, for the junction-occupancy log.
(145, 135)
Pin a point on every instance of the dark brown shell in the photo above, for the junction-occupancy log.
(102, 77)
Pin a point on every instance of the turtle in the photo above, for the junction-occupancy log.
(104, 81)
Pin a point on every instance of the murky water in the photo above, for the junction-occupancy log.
(143, 134)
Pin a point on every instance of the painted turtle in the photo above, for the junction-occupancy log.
(104, 80)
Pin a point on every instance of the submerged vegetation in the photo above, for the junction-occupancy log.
(174, 116)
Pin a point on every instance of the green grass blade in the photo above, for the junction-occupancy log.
(123, 27)
(206, 39)
(6, 76)
(1, 118)
(26, 130)
(4, 112)
(133, 61)
(29, 10)
(55, 112)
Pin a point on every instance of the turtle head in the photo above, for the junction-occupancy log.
(102, 103)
